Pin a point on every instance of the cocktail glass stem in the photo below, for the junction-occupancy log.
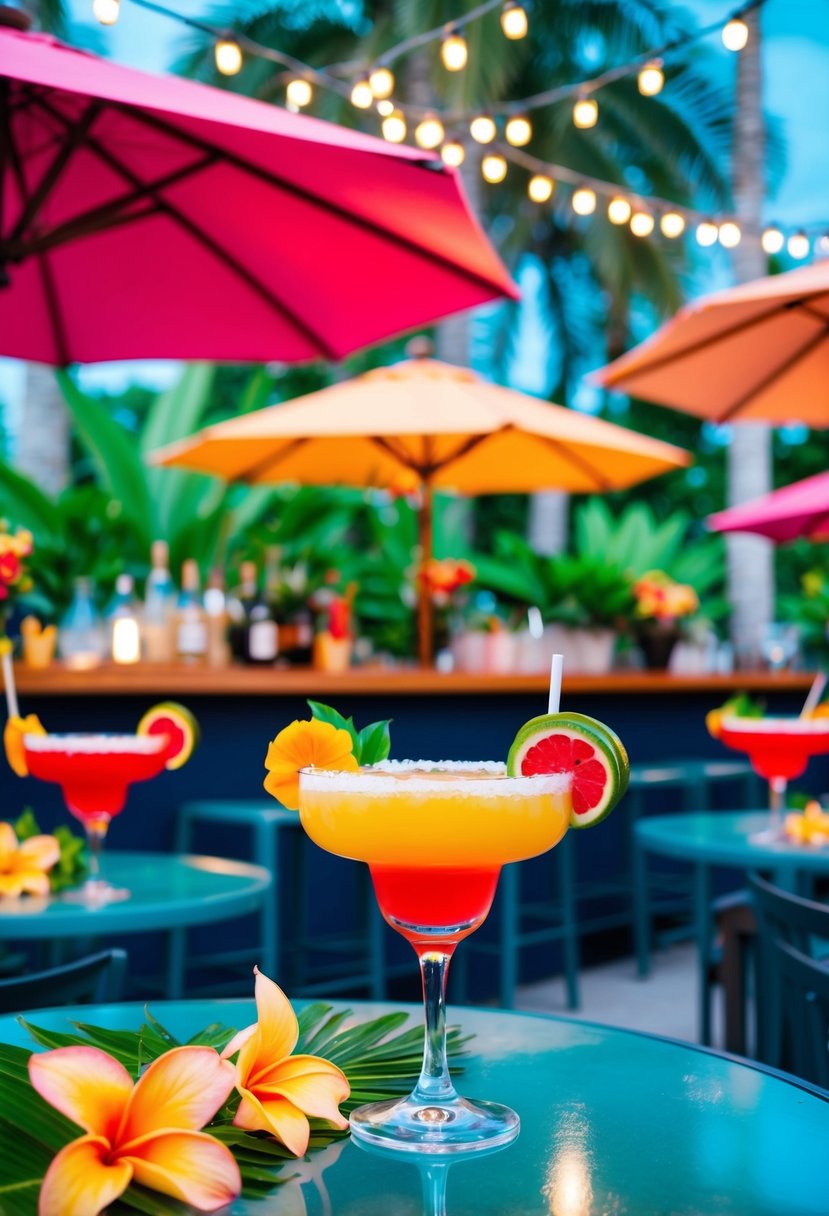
(96, 831)
(434, 1188)
(777, 800)
(434, 1084)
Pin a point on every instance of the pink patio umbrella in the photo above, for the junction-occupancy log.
(147, 216)
(801, 509)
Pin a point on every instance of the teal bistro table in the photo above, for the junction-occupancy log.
(611, 1122)
(168, 892)
(707, 841)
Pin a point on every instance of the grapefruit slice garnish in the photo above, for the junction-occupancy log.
(577, 744)
(178, 724)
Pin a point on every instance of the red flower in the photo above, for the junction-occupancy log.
(10, 568)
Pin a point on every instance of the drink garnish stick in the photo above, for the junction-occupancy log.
(814, 694)
(556, 668)
(12, 708)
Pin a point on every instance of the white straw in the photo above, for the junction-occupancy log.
(8, 682)
(815, 693)
(556, 668)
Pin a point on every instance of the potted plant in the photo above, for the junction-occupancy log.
(591, 600)
(662, 607)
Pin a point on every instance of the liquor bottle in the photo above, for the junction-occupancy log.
(253, 632)
(191, 618)
(215, 606)
(81, 638)
(159, 615)
(285, 591)
(123, 622)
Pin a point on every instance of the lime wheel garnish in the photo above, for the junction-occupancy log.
(174, 720)
(577, 744)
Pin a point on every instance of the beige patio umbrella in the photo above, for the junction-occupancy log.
(757, 352)
(426, 424)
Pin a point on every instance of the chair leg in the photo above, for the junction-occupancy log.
(183, 833)
(267, 853)
(176, 949)
(641, 912)
(565, 855)
(508, 963)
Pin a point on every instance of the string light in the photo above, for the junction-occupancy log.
(394, 127)
(381, 83)
(584, 201)
(299, 92)
(651, 78)
(707, 233)
(772, 240)
(735, 34)
(729, 235)
(642, 223)
(228, 56)
(672, 224)
(453, 153)
(514, 20)
(361, 95)
(518, 131)
(618, 210)
(454, 51)
(483, 129)
(540, 188)
(429, 132)
(494, 168)
(798, 246)
(822, 245)
(385, 107)
(106, 11)
(586, 113)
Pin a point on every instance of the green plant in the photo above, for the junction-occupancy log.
(809, 611)
(591, 593)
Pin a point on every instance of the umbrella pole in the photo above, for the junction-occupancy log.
(425, 624)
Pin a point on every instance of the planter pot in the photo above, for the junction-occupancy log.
(657, 641)
(489, 652)
(468, 651)
(593, 650)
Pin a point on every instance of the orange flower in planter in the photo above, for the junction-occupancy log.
(311, 744)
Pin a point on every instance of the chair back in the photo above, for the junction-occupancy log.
(806, 1011)
(95, 978)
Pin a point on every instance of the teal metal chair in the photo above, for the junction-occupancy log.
(805, 987)
(98, 978)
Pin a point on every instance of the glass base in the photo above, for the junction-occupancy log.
(768, 837)
(96, 893)
(455, 1126)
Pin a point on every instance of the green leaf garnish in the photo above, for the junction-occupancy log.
(370, 745)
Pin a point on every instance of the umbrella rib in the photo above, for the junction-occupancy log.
(740, 404)
(204, 239)
(271, 461)
(578, 462)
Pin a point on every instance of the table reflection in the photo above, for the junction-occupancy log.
(434, 1172)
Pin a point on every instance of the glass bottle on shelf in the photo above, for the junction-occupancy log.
(285, 591)
(215, 606)
(123, 621)
(158, 621)
(191, 618)
(81, 637)
(253, 631)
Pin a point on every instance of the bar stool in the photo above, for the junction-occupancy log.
(274, 830)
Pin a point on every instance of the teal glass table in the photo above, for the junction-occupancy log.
(611, 1122)
(167, 892)
(708, 840)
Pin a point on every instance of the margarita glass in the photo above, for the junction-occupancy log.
(779, 749)
(434, 837)
(95, 772)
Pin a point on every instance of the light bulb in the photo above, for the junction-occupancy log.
(730, 235)
(385, 107)
(514, 20)
(518, 131)
(454, 52)
(651, 78)
(361, 95)
(772, 240)
(584, 201)
(494, 168)
(672, 224)
(453, 153)
(618, 210)
(429, 132)
(540, 188)
(106, 11)
(394, 127)
(228, 56)
(735, 34)
(482, 129)
(381, 83)
(299, 92)
(642, 223)
(798, 246)
(586, 113)
(707, 233)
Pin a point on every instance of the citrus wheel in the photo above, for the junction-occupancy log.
(577, 744)
(174, 720)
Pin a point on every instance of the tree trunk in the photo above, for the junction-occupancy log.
(750, 558)
(548, 523)
(42, 446)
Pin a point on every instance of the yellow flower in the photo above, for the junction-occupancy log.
(13, 733)
(147, 1131)
(311, 744)
(25, 866)
(280, 1091)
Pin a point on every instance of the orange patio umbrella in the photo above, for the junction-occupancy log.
(757, 352)
(426, 424)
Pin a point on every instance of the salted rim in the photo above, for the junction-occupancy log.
(387, 778)
(96, 745)
(780, 725)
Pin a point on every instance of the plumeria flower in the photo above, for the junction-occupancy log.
(311, 744)
(147, 1131)
(25, 866)
(280, 1091)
